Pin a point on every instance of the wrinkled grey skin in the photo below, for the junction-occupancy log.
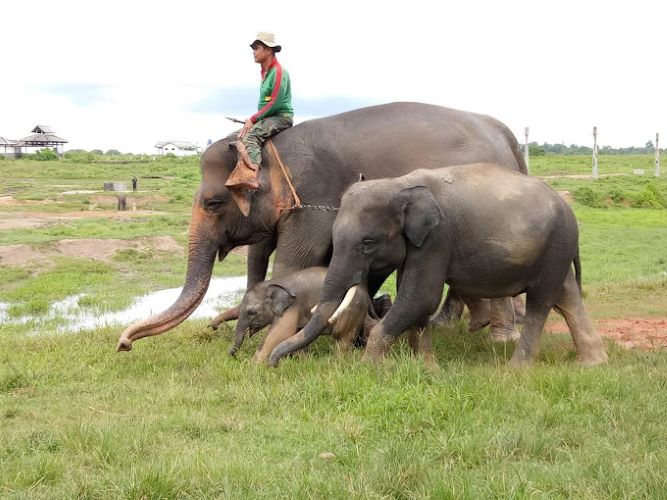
(285, 304)
(324, 157)
(485, 231)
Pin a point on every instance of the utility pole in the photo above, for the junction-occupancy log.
(526, 156)
(595, 152)
(657, 155)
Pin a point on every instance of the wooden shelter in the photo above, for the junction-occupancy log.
(43, 137)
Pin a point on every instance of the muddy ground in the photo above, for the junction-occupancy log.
(629, 332)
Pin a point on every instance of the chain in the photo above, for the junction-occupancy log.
(314, 207)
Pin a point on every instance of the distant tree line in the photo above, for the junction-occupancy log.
(535, 149)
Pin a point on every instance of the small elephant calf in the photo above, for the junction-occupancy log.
(122, 202)
(286, 304)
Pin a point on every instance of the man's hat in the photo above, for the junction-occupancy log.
(268, 39)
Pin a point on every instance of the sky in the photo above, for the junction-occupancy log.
(126, 74)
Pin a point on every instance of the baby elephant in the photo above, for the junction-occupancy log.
(287, 302)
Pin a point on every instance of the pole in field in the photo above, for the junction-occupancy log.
(595, 152)
(657, 155)
(526, 156)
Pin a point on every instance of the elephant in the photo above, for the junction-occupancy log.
(323, 157)
(482, 229)
(286, 304)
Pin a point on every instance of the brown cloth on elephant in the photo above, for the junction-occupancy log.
(243, 178)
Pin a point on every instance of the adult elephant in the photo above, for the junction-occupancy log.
(324, 157)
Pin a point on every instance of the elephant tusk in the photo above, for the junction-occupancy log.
(312, 311)
(343, 305)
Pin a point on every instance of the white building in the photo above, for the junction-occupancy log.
(8, 147)
(177, 148)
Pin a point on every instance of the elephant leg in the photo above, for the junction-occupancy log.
(378, 343)
(528, 345)
(451, 310)
(228, 315)
(587, 342)
(519, 303)
(421, 343)
(503, 327)
(480, 312)
(282, 329)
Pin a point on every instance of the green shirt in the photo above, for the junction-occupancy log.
(275, 94)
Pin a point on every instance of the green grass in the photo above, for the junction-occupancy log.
(178, 418)
(607, 164)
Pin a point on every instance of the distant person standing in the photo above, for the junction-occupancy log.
(274, 112)
(134, 183)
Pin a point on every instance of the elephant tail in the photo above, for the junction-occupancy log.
(577, 269)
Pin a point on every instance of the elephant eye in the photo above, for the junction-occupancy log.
(367, 245)
(251, 313)
(213, 204)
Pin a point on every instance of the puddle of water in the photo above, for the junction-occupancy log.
(222, 293)
(81, 191)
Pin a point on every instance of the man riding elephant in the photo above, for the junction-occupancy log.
(274, 114)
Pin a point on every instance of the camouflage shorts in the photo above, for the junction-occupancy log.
(262, 131)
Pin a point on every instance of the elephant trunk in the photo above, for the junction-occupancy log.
(202, 250)
(239, 336)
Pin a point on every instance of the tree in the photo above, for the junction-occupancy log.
(113, 152)
(46, 154)
(535, 149)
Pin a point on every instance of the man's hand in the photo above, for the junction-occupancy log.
(246, 128)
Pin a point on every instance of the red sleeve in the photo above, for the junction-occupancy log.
(274, 93)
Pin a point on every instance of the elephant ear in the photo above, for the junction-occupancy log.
(421, 213)
(280, 298)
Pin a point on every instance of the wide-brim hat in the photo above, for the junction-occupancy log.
(268, 39)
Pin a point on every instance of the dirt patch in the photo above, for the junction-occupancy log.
(641, 333)
(102, 200)
(96, 249)
(19, 220)
(9, 200)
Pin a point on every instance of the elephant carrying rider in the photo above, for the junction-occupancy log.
(274, 114)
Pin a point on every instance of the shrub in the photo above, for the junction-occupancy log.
(79, 156)
(586, 196)
(616, 195)
(650, 197)
(46, 154)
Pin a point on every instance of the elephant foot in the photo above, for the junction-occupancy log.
(378, 344)
(502, 336)
(520, 362)
(593, 358)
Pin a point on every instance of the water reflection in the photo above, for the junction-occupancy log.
(222, 293)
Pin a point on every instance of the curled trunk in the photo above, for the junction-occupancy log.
(201, 257)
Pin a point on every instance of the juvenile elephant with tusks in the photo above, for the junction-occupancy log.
(484, 230)
(286, 304)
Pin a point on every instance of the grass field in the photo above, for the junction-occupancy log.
(178, 418)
